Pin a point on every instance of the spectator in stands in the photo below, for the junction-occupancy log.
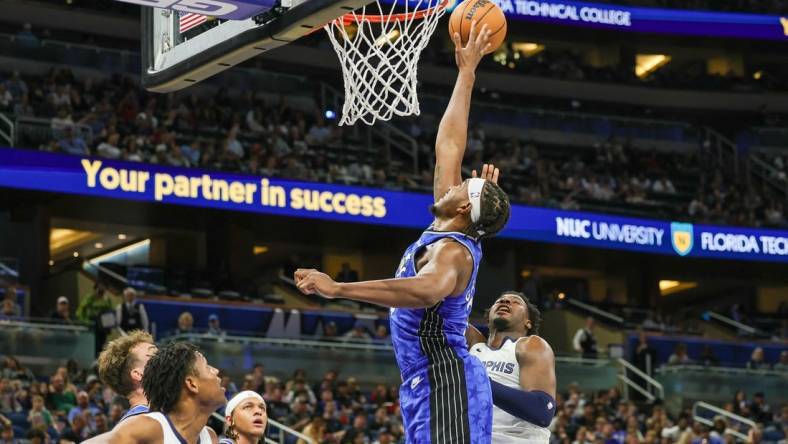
(7, 311)
(357, 334)
(213, 326)
(83, 406)
(96, 310)
(679, 356)
(72, 143)
(11, 295)
(101, 424)
(315, 430)
(62, 311)
(300, 414)
(25, 37)
(347, 274)
(59, 399)
(782, 364)
(707, 357)
(131, 314)
(77, 430)
(38, 408)
(382, 333)
(330, 332)
(7, 434)
(584, 341)
(757, 361)
(13, 370)
(109, 148)
(645, 356)
(185, 323)
(759, 409)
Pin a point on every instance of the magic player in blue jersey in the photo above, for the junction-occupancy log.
(445, 395)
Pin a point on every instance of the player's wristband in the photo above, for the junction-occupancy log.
(535, 406)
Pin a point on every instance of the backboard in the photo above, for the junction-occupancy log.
(181, 47)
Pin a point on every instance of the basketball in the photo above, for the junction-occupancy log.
(484, 12)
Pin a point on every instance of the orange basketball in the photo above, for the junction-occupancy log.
(484, 12)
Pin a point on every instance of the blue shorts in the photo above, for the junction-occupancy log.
(447, 402)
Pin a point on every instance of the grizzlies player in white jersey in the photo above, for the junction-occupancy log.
(445, 396)
(521, 367)
(183, 392)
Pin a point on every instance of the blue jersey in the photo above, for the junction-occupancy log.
(134, 411)
(419, 333)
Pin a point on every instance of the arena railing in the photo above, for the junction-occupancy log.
(7, 135)
(33, 131)
(741, 328)
(650, 383)
(732, 418)
(582, 122)
(42, 345)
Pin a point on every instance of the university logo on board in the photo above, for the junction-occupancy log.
(681, 236)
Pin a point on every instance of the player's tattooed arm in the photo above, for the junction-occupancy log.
(447, 273)
(453, 129)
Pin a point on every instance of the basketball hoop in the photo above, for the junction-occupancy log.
(379, 53)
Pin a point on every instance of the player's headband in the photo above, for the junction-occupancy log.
(475, 186)
(228, 411)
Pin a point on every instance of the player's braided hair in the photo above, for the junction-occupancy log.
(165, 373)
(494, 212)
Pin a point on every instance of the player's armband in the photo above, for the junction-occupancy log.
(535, 406)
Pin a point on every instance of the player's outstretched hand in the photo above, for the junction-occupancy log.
(311, 281)
(489, 172)
(478, 45)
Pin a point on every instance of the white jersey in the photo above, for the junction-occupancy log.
(171, 436)
(502, 367)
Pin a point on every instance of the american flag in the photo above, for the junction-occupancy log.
(189, 20)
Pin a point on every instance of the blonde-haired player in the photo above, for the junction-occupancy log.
(121, 365)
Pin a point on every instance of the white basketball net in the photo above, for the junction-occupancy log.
(380, 60)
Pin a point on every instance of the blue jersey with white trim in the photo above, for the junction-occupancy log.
(134, 411)
(410, 329)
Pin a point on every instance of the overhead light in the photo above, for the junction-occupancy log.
(526, 49)
(391, 37)
(76, 254)
(122, 236)
(143, 243)
(645, 64)
(757, 75)
(259, 249)
(525, 273)
(98, 245)
(561, 295)
(51, 262)
(668, 287)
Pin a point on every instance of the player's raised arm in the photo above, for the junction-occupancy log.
(453, 129)
(440, 277)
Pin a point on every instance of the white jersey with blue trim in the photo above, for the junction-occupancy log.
(502, 367)
(171, 435)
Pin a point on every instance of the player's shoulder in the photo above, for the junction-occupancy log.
(451, 249)
(143, 427)
(533, 345)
